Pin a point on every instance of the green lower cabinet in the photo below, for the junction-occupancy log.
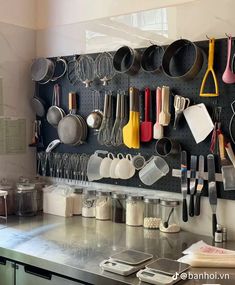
(7, 272)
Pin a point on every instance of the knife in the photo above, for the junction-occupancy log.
(184, 185)
(192, 184)
(212, 189)
(200, 185)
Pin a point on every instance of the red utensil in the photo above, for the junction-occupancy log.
(146, 129)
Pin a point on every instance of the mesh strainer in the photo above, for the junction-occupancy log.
(104, 67)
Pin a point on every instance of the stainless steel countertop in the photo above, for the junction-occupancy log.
(75, 246)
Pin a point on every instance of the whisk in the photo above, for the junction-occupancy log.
(104, 67)
(116, 125)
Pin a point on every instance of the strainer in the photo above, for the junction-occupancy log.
(104, 67)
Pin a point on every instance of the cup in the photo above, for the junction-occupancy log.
(166, 146)
(105, 165)
(153, 171)
(113, 166)
(125, 168)
(93, 166)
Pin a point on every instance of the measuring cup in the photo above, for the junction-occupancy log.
(105, 165)
(153, 171)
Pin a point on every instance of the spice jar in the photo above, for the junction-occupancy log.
(134, 210)
(10, 200)
(77, 201)
(103, 205)
(152, 217)
(169, 216)
(88, 203)
(26, 199)
(118, 207)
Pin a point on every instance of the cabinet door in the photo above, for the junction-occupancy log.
(6, 272)
(29, 275)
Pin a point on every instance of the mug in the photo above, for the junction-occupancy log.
(105, 165)
(125, 168)
(113, 166)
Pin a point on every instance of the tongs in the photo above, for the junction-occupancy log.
(210, 69)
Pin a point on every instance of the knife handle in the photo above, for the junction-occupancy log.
(185, 211)
(214, 223)
(191, 206)
(197, 204)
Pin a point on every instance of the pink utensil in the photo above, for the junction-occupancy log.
(228, 77)
(157, 128)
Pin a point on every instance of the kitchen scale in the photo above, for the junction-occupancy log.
(163, 271)
(126, 262)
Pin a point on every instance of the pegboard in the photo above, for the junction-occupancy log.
(188, 89)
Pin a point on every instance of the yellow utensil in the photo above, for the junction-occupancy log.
(210, 69)
(131, 131)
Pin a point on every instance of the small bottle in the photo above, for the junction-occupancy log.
(218, 234)
(224, 234)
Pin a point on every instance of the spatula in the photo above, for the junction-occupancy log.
(157, 128)
(146, 127)
(131, 137)
(184, 185)
(165, 116)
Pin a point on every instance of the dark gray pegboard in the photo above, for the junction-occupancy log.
(188, 89)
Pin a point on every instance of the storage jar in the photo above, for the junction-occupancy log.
(169, 216)
(118, 207)
(77, 201)
(26, 199)
(134, 210)
(5, 185)
(103, 205)
(88, 203)
(152, 216)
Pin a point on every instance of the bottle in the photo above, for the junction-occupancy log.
(218, 234)
(224, 234)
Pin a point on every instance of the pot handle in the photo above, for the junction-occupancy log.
(65, 66)
(233, 106)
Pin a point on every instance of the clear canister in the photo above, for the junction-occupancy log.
(169, 216)
(26, 199)
(88, 203)
(134, 210)
(118, 207)
(5, 185)
(152, 216)
(77, 201)
(103, 205)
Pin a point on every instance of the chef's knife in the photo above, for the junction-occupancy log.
(200, 185)
(184, 185)
(212, 189)
(192, 184)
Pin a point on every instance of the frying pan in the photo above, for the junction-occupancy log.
(72, 129)
(55, 113)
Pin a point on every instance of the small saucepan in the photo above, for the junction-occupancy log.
(127, 60)
(72, 129)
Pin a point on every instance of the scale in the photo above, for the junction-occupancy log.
(126, 262)
(162, 272)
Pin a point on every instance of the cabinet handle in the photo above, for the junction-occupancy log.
(3, 260)
(38, 272)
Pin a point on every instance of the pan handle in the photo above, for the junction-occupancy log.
(65, 66)
(72, 102)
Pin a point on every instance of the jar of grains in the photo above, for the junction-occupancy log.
(169, 216)
(118, 207)
(134, 210)
(88, 203)
(103, 205)
(152, 216)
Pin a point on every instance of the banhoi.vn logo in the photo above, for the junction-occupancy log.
(201, 276)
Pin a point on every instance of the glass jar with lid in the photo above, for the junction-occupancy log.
(77, 201)
(26, 199)
(152, 216)
(5, 185)
(118, 207)
(88, 203)
(103, 205)
(169, 216)
(134, 210)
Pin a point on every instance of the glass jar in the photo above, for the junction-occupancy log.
(103, 205)
(169, 216)
(134, 210)
(152, 216)
(118, 207)
(6, 186)
(26, 200)
(39, 185)
(77, 201)
(88, 203)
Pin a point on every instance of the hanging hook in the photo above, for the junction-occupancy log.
(207, 37)
(228, 36)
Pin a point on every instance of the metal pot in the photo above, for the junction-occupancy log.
(127, 60)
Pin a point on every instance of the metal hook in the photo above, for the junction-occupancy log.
(228, 36)
(152, 43)
(207, 37)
